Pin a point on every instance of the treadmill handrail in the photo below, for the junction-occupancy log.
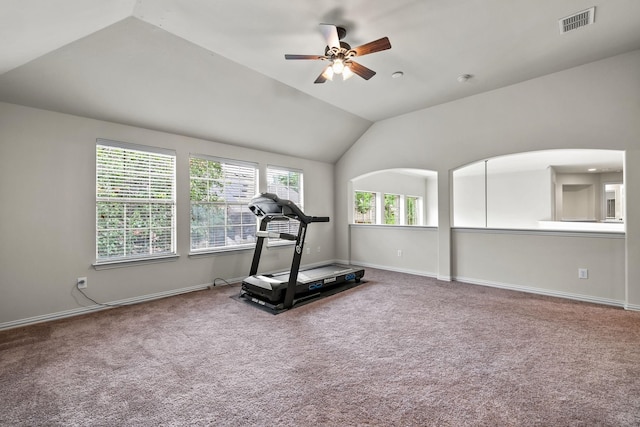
(270, 206)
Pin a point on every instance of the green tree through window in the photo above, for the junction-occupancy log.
(220, 191)
(365, 207)
(391, 209)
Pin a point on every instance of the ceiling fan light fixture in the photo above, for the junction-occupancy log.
(328, 73)
(338, 66)
(347, 73)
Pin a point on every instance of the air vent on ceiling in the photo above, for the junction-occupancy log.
(577, 20)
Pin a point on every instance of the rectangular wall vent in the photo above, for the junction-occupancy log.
(577, 20)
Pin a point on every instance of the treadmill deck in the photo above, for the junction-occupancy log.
(312, 280)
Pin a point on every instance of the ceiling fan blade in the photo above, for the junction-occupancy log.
(289, 56)
(372, 47)
(321, 78)
(361, 70)
(330, 33)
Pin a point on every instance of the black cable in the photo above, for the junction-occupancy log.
(121, 305)
(213, 285)
(96, 302)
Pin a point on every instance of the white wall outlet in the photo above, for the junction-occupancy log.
(82, 283)
(583, 273)
(308, 250)
(399, 252)
(318, 249)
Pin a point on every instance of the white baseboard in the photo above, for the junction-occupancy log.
(129, 301)
(93, 308)
(547, 292)
(397, 270)
(145, 298)
(632, 307)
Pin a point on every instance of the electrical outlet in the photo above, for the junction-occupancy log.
(399, 252)
(308, 251)
(82, 283)
(583, 273)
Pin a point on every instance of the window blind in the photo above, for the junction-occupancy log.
(287, 184)
(220, 192)
(135, 202)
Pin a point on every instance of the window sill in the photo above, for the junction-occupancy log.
(361, 225)
(222, 251)
(104, 265)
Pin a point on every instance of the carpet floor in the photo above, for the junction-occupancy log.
(399, 350)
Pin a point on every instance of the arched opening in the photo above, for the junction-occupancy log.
(395, 197)
(552, 189)
(393, 216)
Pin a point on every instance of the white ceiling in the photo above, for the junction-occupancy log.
(216, 69)
(562, 161)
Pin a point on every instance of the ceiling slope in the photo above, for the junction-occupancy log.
(138, 74)
(216, 69)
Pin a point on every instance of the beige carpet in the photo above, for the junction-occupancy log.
(399, 350)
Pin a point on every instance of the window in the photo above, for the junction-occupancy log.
(220, 192)
(286, 184)
(391, 209)
(412, 210)
(401, 197)
(365, 208)
(135, 201)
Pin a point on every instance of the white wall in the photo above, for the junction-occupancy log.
(47, 218)
(550, 112)
(592, 194)
(518, 199)
(408, 249)
(578, 196)
(469, 196)
(543, 263)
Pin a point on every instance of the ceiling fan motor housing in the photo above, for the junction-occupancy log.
(344, 47)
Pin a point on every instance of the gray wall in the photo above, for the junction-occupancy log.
(550, 112)
(47, 219)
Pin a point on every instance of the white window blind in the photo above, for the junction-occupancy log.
(287, 184)
(220, 192)
(135, 201)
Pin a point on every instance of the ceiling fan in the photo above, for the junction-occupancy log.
(340, 55)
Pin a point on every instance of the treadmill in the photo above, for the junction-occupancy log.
(281, 291)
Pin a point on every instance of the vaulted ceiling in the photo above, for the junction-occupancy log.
(216, 69)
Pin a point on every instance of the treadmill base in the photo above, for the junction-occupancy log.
(303, 300)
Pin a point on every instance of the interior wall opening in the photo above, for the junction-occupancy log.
(406, 197)
(551, 189)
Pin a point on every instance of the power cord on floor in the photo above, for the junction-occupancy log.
(213, 285)
(96, 302)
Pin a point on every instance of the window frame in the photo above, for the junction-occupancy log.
(396, 208)
(377, 209)
(372, 211)
(406, 211)
(162, 155)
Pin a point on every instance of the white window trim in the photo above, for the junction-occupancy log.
(379, 201)
(146, 258)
